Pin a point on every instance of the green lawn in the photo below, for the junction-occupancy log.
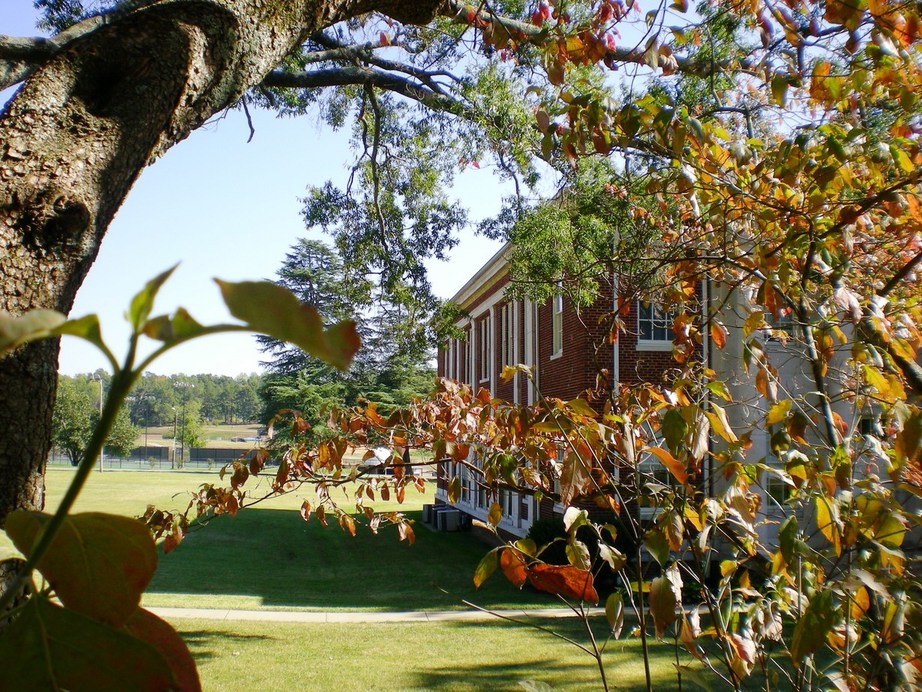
(267, 557)
(409, 656)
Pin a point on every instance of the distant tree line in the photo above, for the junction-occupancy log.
(220, 399)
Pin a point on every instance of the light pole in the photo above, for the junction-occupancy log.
(98, 378)
(183, 386)
(173, 455)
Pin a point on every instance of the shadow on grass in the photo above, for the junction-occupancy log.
(547, 660)
(207, 645)
(281, 560)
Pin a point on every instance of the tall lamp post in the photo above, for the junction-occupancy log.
(98, 378)
(183, 387)
(173, 455)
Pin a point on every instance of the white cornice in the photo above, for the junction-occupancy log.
(484, 276)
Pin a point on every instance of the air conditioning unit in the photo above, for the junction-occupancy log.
(449, 520)
(427, 514)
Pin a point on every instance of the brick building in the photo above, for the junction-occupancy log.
(568, 351)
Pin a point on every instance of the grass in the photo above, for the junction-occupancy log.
(268, 557)
(457, 656)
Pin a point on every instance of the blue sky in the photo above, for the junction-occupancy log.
(224, 208)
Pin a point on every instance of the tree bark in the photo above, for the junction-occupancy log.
(76, 136)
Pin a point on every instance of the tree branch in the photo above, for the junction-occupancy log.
(343, 76)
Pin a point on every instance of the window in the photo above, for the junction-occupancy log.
(557, 325)
(779, 328)
(507, 334)
(485, 349)
(654, 327)
(506, 499)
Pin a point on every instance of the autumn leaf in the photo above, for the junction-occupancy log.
(673, 465)
(275, 311)
(662, 605)
(513, 567)
(827, 521)
(565, 581)
(98, 564)
(159, 634)
(48, 647)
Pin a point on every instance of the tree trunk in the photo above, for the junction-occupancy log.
(76, 136)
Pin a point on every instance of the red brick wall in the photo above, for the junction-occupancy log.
(642, 366)
(586, 351)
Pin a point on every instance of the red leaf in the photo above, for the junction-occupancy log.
(565, 581)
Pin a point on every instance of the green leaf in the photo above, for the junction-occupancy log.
(143, 302)
(787, 539)
(655, 543)
(51, 648)
(674, 430)
(614, 613)
(159, 634)
(582, 407)
(527, 546)
(86, 328)
(35, 324)
(180, 327)
(614, 557)
(98, 564)
(662, 604)
(779, 89)
(275, 311)
(719, 389)
(811, 630)
(578, 555)
(486, 568)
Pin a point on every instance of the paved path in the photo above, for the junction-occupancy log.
(356, 616)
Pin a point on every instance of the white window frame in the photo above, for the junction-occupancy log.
(557, 326)
(486, 351)
(660, 327)
(507, 335)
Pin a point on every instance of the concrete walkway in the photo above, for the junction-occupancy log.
(345, 616)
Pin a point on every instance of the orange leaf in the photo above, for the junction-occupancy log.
(674, 466)
(565, 581)
(513, 567)
(718, 335)
(348, 523)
